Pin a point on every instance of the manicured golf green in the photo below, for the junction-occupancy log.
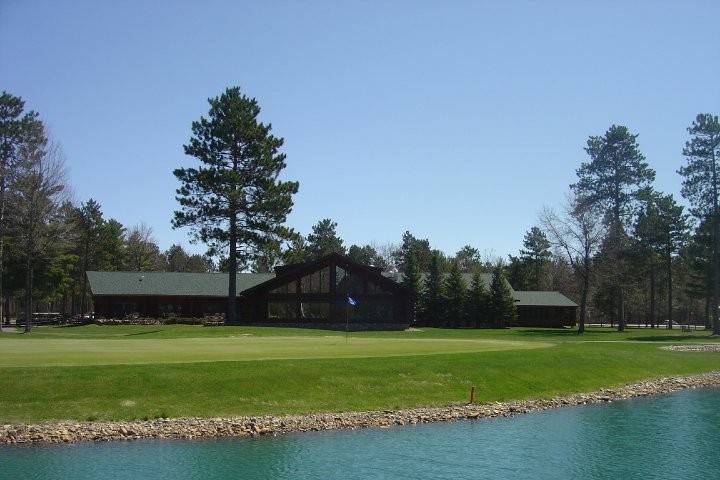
(126, 372)
(93, 351)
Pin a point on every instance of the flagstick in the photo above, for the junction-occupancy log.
(347, 321)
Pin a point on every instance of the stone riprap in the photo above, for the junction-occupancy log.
(190, 428)
(710, 347)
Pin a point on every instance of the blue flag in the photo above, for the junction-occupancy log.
(351, 301)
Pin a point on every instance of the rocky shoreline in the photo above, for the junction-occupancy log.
(703, 347)
(194, 428)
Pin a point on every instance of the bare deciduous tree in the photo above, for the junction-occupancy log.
(576, 234)
(388, 252)
(141, 250)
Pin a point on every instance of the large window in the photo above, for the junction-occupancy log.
(316, 282)
(315, 310)
(374, 288)
(282, 310)
(287, 288)
(349, 283)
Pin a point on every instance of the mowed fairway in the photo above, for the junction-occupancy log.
(24, 352)
(130, 372)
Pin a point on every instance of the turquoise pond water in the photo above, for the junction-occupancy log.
(668, 437)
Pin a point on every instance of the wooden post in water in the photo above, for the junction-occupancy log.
(472, 394)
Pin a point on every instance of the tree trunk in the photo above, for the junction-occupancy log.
(2, 244)
(716, 248)
(653, 318)
(231, 316)
(670, 292)
(583, 303)
(28, 295)
(83, 293)
(708, 322)
(621, 310)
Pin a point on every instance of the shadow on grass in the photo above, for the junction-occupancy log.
(560, 332)
(142, 333)
(669, 338)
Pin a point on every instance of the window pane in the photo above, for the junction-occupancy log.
(339, 275)
(324, 280)
(316, 282)
(374, 288)
(282, 310)
(349, 284)
(315, 310)
(287, 288)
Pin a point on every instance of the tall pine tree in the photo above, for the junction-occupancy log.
(234, 201)
(701, 186)
(433, 298)
(477, 302)
(663, 227)
(611, 182)
(502, 308)
(536, 256)
(455, 297)
(324, 239)
(19, 130)
(412, 282)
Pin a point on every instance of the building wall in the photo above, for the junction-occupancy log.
(151, 306)
(545, 316)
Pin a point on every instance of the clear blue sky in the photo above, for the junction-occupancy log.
(454, 120)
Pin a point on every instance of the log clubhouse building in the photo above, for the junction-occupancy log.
(313, 295)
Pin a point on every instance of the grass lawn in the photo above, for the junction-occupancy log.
(126, 372)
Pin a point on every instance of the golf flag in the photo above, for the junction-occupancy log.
(351, 301)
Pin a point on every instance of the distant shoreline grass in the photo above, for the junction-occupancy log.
(306, 383)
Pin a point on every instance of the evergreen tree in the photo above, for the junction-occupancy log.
(433, 299)
(611, 181)
(234, 201)
(701, 185)
(296, 251)
(468, 259)
(646, 252)
(112, 246)
(501, 304)
(367, 255)
(178, 260)
(88, 226)
(324, 240)
(36, 214)
(662, 226)
(518, 273)
(455, 297)
(419, 247)
(412, 281)
(536, 256)
(19, 130)
(699, 252)
(477, 302)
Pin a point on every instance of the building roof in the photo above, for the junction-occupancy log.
(286, 274)
(522, 298)
(170, 283)
(486, 278)
(542, 299)
(216, 285)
